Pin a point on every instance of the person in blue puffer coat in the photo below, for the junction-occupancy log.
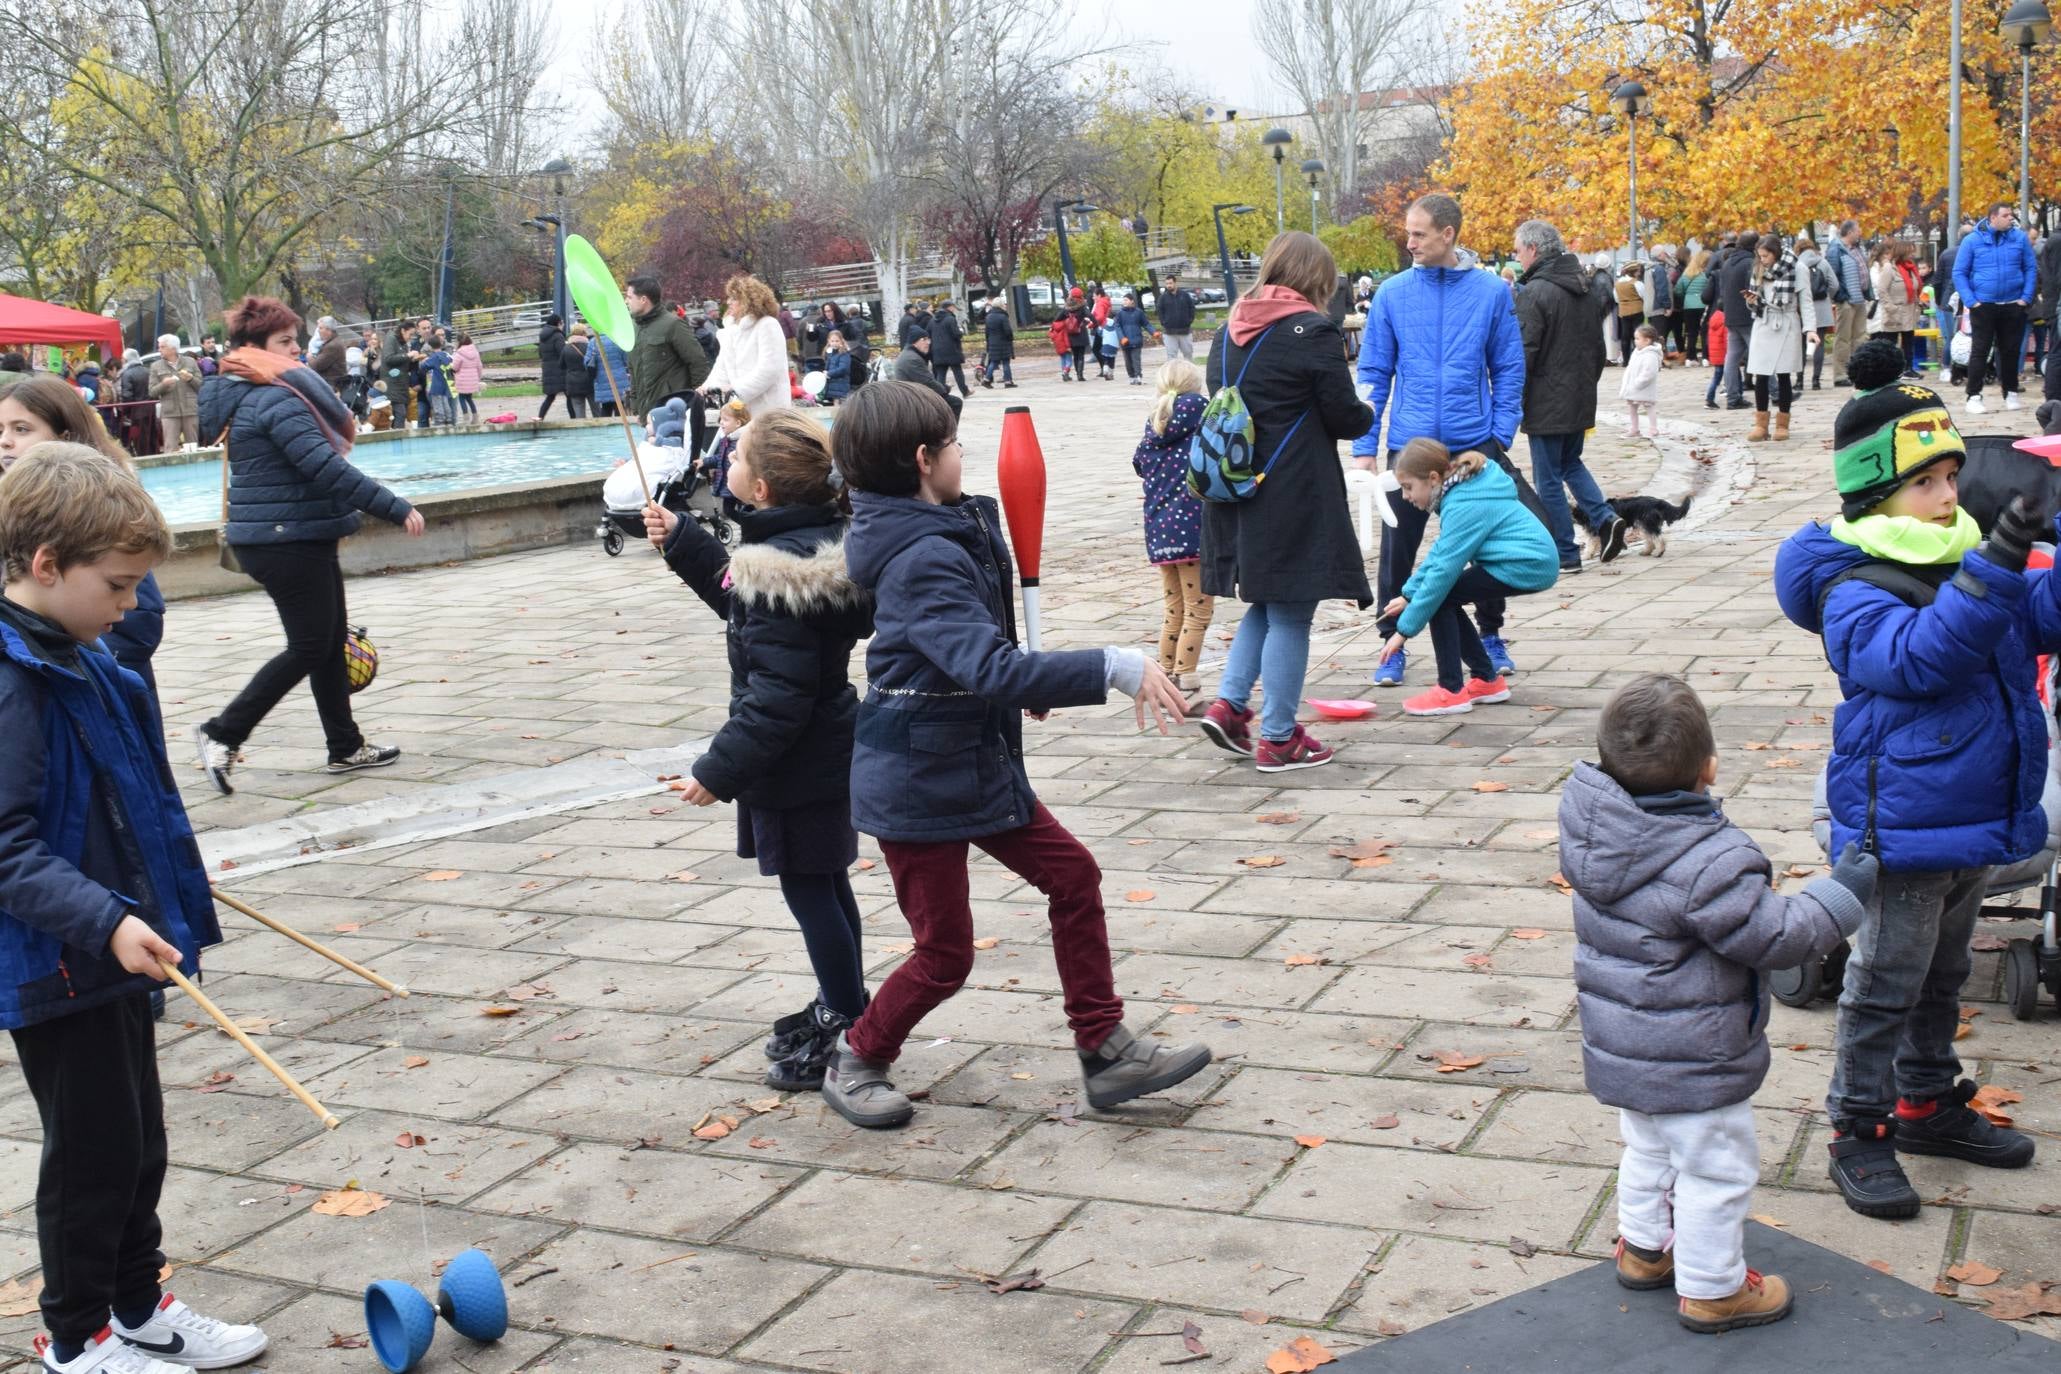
(293, 495)
(1939, 754)
(1443, 338)
(1997, 277)
(603, 359)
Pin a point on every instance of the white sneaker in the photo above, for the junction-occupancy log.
(1976, 407)
(1946, 374)
(107, 1353)
(180, 1336)
(215, 757)
(2011, 401)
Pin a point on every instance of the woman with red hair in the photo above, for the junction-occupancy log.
(293, 496)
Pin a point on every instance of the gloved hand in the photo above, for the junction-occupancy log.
(2012, 537)
(1856, 872)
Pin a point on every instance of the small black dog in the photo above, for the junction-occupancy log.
(1649, 517)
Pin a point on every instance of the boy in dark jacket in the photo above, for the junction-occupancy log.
(937, 761)
(1938, 758)
(1676, 922)
(100, 884)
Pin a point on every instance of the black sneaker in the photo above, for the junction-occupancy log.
(793, 1031)
(1613, 538)
(1865, 1168)
(1958, 1131)
(1738, 405)
(802, 1071)
(368, 756)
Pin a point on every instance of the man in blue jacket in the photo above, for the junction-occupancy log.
(1997, 277)
(1444, 338)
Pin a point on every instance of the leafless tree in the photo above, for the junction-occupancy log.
(1328, 54)
(656, 71)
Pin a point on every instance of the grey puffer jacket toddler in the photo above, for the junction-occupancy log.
(1676, 923)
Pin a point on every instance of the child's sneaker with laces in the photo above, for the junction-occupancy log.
(1228, 727)
(1498, 654)
(106, 1353)
(1763, 1298)
(1389, 672)
(1486, 692)
(180, 1336)
(1439, 702)
(1299, 750)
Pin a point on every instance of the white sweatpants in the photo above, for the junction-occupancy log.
(1685, 1181)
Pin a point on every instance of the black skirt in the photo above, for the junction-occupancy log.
(798, 840)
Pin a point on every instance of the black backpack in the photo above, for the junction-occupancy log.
(1900, 580)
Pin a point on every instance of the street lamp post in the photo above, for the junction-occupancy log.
(1216, 212)
(1313, 168)
(1631, 101)
(1059, 222)
(2027, 24)
(1278, 139)
(558, 169)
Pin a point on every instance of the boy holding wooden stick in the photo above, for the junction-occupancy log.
(101, 884)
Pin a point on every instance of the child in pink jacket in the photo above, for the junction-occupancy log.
(466, 369)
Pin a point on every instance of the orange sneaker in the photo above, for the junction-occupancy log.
(1643, 1269)
(1486, 693)
(1760, 1300)
(1439, 702)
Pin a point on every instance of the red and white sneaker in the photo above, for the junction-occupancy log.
(1439, 702)
(1486, 693)
(1228, 727)
(1299, 750)
(179, 1336)
(106, 1353)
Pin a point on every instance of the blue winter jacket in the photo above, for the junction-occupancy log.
(1130, 326)
(91, 828)
(938, 753)
(1940, 748)
(601, 347)
(837, 375)
(135, 637)
(1480, 521)
(286, 484)
(1446, 339)
(1991, 267)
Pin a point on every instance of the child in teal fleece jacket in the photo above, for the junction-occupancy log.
(1488, 545)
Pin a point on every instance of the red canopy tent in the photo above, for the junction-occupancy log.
(23, 321)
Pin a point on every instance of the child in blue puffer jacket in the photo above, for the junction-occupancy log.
(1938, 757)
(937, 757)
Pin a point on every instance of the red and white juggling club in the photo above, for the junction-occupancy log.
(1020, 472)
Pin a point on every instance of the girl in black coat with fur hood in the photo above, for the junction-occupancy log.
(785, 754)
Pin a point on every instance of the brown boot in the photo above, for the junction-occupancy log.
(1760, 427)
(1760, 1300)
(1781, 425)
(1643, 1269)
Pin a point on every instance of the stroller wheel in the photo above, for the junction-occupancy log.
(2022, 979)
(1798, 987)
(725, 531)
(612, 541)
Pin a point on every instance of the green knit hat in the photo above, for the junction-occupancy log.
(1888, 433)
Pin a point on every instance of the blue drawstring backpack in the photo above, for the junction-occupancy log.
(1220, 456)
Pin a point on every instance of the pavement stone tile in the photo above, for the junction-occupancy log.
(622, 1105)
(583, 1356)
(308, 1332)
(941, 1142)
(625, 938)
(1235, 982)
(1439, 1194)
(654, 1192)
(1572, 1128)
(1187, 1167)
(448, 1085)
(903, 1223)
(292, 1005)
(427, 1024)
(660, 1292)
(344, 1254)
(610, 896)
(204, 1213)
(633, 1040)
(1339, 899)
(475, 927)
(1292, 1039)
(1291, 1269)
(887, 1324)
(1234, 1344)
(1286, 1104)
(454, 1161)
(1425, 1279)
(1477, 999)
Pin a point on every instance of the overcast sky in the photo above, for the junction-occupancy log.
(1210, 40)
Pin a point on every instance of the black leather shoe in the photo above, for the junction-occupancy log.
(1958, 1131)
(1865, 1168)
(1738, 405)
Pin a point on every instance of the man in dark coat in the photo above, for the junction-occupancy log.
(912, 364)
(331, 344)
(910, 326)
(1001, 339)
(1176, 318)
(1563, 359)
(947, 349)
(1733, 280)
(551, 358)
(666, 360)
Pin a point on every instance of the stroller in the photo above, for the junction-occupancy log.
(679, 484)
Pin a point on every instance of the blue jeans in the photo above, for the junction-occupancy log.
(1901, 1005)
(1735, 358)
(1717, 374)
(1273, 647)
(1556, 470)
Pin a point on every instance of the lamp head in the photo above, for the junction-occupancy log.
(2027, 24)
(1314, 167)
(1630, 99)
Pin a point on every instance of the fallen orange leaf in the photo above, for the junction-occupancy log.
(1301, 960)
(1185, 1009)
(1299, 1356)
(1492, 787)
(1974, 1273)
(1263, 861)
(442, 875)
(1278, 817)
(1309, 1142)
(986, 942)
(1879, 1266)
(415, 1061)
(1527, 934)
(1140, 894)
(1477, 960)
(349, 1202)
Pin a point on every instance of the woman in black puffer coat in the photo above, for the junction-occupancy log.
(293, 495)
(785, 755)
(551, 359)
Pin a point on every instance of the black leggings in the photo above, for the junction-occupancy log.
(828, 914)
(1689, 332)
(306, 585)
(1628, 335)
(467, 404)
(1905, 339)
(1785, 392)
(1452, 634)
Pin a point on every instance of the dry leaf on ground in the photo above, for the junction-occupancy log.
(1479, 959)
(1367, 853)
(1309, 1142)
(1764, 1219)
(408, 1140)
(18, 1299)
(1880, 1266)
(1991, 1099)
(1561, 882)
(1492, 787)
(1255, 1316)
(415, 1061)
(1974, 1273)
(1527, 934)
(684, 876)
(1301, 960)
(1299, 1356)
(442, 875)
(2027, 1300)
(1988, 944)
(1452, 1061)
(499, 1011)
(523, 992)
(1387, 1121)
(350, 1202)
(1185, 1009)
(1263, 861)
(986, 942)
(1278, 817)
(1140, 894)
(717, 1129)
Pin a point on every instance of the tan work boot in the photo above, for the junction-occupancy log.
(1643, 1269)
(1781, 425)
(1760, 1300)
(1760, 427)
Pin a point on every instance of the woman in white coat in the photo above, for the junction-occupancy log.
(751, 361)
(1781, 336)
